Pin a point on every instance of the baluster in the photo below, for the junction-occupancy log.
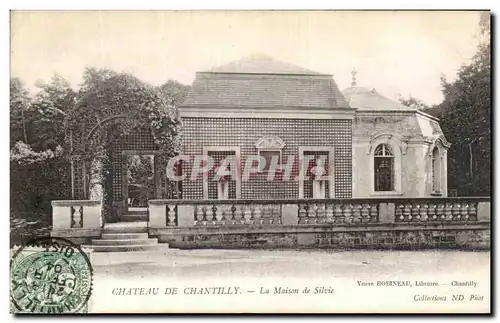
(432, 212)
(399, 213)
(303, 210)
(365, 213)
(424, 212)
(238, 215)
(407, 212)
(321, 213)
(338, 213)
(249, 216)
(347, 213)
(196, 214)
(213, 213)
(264, 214)
(275, 213)
(204, 210)
(356, 213)
(447, 212)
(329, 213)
(72, 216)
(80, 223)
(473, 211)
(415, 212)
(440, 212)
(455, 211)
(76, 216)
(246, 214)
(373, 213)
(171, 215)
(312, 214)
(222, 214)
(258, 214)
(232, 220)
(464, 212)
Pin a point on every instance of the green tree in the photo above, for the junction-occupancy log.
(466, 122)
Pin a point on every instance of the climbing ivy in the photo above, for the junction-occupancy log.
(111, 104)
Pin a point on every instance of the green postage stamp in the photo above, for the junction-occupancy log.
(50, 275)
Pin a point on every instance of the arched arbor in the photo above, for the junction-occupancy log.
(117, 115)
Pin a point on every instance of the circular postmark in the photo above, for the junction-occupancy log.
(50, 275)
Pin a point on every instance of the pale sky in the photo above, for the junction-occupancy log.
(395, 52)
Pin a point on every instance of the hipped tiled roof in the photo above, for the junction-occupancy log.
(369, 99)
(261, 64)
(265, 83)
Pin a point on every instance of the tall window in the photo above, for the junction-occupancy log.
(436, 171)
(384, 168)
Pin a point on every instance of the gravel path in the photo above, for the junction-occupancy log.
(241, 263)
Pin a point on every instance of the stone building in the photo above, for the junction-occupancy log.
(371, 146)
(397, 150)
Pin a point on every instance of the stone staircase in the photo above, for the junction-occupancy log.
(135, 214)
(129, 235)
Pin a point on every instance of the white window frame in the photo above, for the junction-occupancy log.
(237, 153)
(438, 182)
(270, 143)
(331, 168)
(386, 153)
(398, 148)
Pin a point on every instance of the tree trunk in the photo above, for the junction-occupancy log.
(470, 162)
(24, 126)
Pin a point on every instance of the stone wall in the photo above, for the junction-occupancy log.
(244, 133)
(397, 223)
(367, 237)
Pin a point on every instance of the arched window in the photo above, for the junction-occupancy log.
(384, 168)
(436, 171)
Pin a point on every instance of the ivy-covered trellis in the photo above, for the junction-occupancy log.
(115, 111)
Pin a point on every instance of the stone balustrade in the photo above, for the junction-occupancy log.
(438, 210)
(304, 212)
(76, 214)
(236, 214)
(165, 213)
(333, 212)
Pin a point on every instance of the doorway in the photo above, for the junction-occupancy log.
(311, 185)
(140, 180)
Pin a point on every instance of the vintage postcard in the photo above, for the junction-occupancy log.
(250, 162)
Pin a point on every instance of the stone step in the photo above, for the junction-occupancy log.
(137, 210)
(117, 236)
(133, 217)
(126, 227)
(126, 248)
(107, 242)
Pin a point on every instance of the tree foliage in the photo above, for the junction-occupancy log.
(19, 104)
(106, 94)
(44, 127)
(413, 103)
(466, 120)
(174, 92)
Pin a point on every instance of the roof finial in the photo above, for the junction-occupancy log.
(353, 73)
